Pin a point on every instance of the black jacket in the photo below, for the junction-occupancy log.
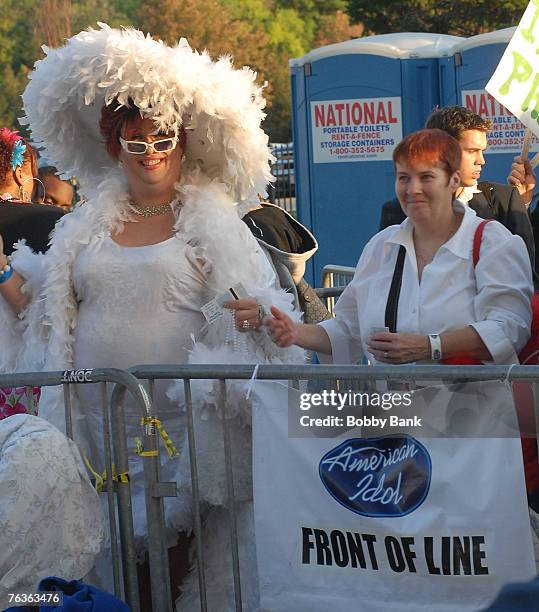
(496, 201)
(31, 221)
(534, 215)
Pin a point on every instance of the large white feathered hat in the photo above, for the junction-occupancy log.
(220, 107)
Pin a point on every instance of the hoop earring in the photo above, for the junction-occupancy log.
(23, 194)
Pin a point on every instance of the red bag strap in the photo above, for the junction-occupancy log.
(478, 236)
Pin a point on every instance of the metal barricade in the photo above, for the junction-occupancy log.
(114, 432)
(336, 278)
(328, 294)
(282, 191)
(294, 375)
(118, 493)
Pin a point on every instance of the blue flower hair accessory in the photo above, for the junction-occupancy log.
(16, 143)
(17, 155)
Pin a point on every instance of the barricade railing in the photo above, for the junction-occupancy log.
(334, 278)
(116, 456)
(337, 276)
(115, 444)
(294, 374)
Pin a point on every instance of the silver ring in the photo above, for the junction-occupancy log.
(386, 354)
(245, 324)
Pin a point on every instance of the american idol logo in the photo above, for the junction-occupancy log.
(386, 476)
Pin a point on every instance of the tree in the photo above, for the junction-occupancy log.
(263, 34)
(336, 27)
(459, 17)
(114, 12)
(225, 33)
(52, 23)
(222, 34)
(17, 54)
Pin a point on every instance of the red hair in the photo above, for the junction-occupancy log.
(113, 119)
(433, 147)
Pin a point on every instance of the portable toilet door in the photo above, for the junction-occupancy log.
(475, 61)
(352, 102)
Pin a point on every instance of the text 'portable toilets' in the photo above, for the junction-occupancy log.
(352, 102)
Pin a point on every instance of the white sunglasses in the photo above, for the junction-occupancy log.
(164, 145)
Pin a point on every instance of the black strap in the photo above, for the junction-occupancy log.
(394, 292)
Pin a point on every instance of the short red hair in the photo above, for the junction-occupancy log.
(434, 147)
(113, 119)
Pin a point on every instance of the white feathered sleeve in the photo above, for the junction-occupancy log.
(31, 267)
(210, 221)
(232, 256)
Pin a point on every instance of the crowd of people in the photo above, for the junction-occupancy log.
(171, 161)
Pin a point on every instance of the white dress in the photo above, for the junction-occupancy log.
(136, 305)
(118, 325)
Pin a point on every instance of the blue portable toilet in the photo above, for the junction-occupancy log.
(352, 102)
(475, 60)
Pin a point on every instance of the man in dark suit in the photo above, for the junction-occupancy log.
(489, 200)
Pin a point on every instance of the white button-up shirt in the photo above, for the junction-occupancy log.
(494, 298)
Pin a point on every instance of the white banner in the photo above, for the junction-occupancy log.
(507, 131)
(515, 83)
(366, 129)
(397, 522)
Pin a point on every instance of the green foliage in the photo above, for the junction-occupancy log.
(460, 17)
(255, 12)
(313, 7)
(87, 13)
(289, 33)
(262, 33)
(17, 54)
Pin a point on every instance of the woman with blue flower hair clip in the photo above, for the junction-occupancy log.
(17, 167)
(18, 172)
(20, 219)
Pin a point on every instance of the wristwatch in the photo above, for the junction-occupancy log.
(435, 347)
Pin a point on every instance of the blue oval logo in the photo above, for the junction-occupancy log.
(386, 476)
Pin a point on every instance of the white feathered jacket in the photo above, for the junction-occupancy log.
(42, 339)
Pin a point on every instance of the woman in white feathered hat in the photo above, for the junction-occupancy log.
(169, 153)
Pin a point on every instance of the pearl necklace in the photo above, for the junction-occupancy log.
(154, 211)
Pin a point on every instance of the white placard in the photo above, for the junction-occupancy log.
(515, 83)
(396, 522)
(507, 131)
(363, 129)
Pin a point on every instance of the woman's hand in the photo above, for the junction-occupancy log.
(248, 313)
(282, 330)
(399, 348)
